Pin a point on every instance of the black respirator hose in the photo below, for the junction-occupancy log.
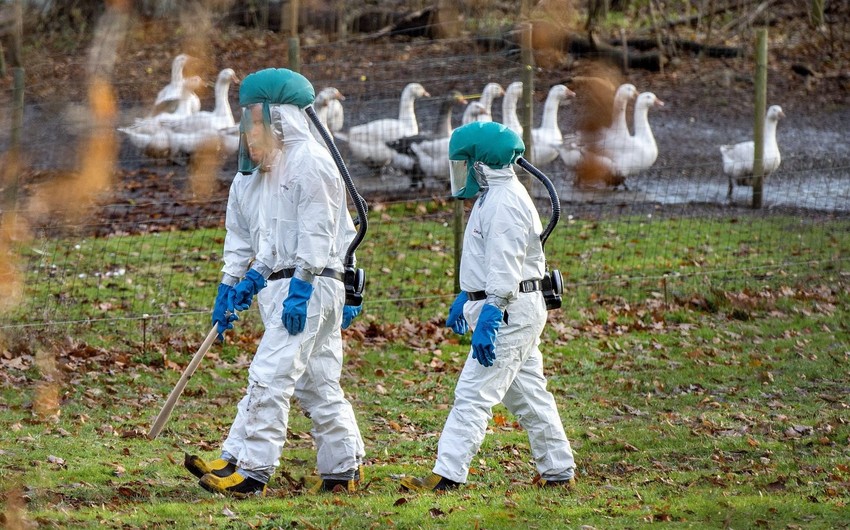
(553, 197)
(359, 201)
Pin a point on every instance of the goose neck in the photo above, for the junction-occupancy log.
(177, 72)
(444, 121)
(619, 118)
(550, 113)
(509, 107)
(222, 104)
(642, 120)
(769, 130)
(406, 113)
(488, 96)
(405, 105)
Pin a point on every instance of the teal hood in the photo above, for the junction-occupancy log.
(489, 143)
(272, 86)
(276, 86)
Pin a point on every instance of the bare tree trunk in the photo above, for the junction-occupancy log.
(657, 36)
(14, 22)
(593, 9)
(816, 13)
(625, 44)
(341, 20)
(710, 20)
(446, 19)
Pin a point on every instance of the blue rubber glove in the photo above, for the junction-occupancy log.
(223, 314)
(349, 312)
(244, 292)
(456, 320)
(295, 306)
(484, 336)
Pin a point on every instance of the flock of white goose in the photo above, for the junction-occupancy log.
(177, 125)
(612, 149)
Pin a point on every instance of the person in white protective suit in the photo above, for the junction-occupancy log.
(502, 265)
(287, 231)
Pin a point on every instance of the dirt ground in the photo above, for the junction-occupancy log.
(154, 196)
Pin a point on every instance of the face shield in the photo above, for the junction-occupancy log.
(257, 143)
(466, 179)
(457, 176)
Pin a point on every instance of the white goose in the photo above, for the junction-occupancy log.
(219, 118)
(637, 153)
(335, 115)
(547, 139)
(491, 91)
(323, 107)
(184, 107)
(368, 142)
(229, 139)
(605, 140)
(738, 158)
(632, 155)
(153, 140)
(148, 134)
(509, 103)
(403, 157)
(432, 156)
(171, 94)
(616, 135)
(473, 112)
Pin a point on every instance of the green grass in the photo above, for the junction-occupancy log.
(408, 257)
(720, 402)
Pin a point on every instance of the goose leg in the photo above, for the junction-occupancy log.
(179, 159)
(417, 178)
(729, 193)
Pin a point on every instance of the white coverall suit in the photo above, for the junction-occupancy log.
(501, 248)
(293, 216)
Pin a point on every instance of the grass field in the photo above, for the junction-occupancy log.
(717, 401)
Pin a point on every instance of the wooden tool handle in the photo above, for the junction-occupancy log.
(160, 420)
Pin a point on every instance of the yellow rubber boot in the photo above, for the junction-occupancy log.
(315, 484)
(541, 482)
(234, 485)
(200, 467)
(432, 482)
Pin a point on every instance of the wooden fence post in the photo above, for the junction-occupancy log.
(17, 124)
(458, 237)
(527, 117)
(294, 41)
(760, 102)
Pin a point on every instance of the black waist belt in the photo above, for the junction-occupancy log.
(289, 273)
(525, 286)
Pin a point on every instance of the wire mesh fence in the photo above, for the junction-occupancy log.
(150, 247)
(628, 253)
